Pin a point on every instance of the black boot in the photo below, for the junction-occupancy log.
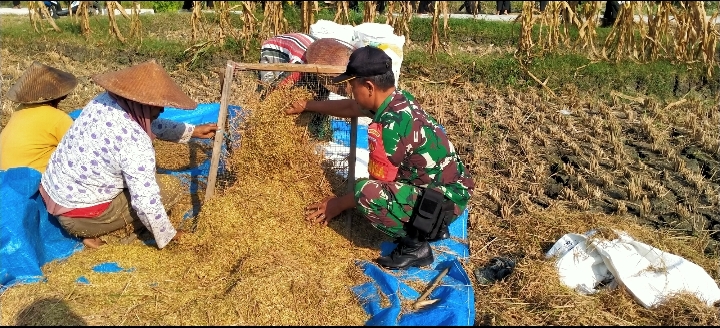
(443, 233)
(409, 252)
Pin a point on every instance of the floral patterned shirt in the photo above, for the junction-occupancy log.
(106, 151)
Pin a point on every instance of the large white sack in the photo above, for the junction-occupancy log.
(649, 274)
(382, 36)
(652, 275)
(580, 267)
(328, 29)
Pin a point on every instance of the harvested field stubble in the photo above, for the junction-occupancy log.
(254, 261)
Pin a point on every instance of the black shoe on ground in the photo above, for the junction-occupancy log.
(408, 253)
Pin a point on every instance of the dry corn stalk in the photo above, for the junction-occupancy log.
(249, 24)
(135, 24)
(551, 18)
(658, 27)
(114, 29)
(44, 12)
(695, 37)
(34, 13)
(307, 14)
(84, 17)
(435, 37)
(222, 10)
(390, 18)
(622, 40)
(527, 20)
(196, 19)
(446, 14)
(274, 22)
(369, 12)
(401, 22)
(587, 29)
(342, 13)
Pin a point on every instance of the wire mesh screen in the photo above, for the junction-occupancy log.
(333, 134)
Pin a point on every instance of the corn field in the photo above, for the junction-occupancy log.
(643, 31)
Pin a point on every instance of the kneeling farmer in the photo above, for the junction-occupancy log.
(418, 185)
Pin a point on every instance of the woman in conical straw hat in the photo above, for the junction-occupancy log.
(102, 176)
(328, 51)
(37, 126)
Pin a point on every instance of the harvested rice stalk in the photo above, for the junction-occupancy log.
(307, 15)
(446, 14)
(390, 17)
(34, 13)
(696, 36)
(551, 18)
(400, 23)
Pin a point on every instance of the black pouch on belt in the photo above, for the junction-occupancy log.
(431, 212)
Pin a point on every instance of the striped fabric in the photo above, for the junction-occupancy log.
(285, 48)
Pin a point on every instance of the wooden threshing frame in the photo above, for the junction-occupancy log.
(230, 69)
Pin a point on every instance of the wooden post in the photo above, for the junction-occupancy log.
(352, 158)
(225, 94)
(219, 137)
(306, 68)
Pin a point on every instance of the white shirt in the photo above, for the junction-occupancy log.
(106, 151)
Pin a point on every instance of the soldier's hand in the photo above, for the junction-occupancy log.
(296, 107)
(322, 212)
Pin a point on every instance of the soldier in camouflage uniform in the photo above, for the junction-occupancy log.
(409, 155)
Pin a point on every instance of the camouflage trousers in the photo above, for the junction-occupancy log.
(389, 205)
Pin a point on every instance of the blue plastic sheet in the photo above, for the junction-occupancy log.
(29, 236)
(455, 295)
(110, 267)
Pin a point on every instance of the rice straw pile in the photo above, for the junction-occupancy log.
(252, 260)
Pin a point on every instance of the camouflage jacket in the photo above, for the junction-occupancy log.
(416, 144)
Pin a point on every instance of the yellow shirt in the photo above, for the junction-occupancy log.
(31, 136)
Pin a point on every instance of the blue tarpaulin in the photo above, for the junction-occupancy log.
(29, 236)
(456, 299)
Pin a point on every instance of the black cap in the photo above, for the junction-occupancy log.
(365, 62)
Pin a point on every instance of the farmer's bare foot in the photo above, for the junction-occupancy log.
(93, 242)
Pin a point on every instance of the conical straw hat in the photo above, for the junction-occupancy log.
(41, 83)
(147, 83)
(329, 51)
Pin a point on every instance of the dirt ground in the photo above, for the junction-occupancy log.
(641, 160)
